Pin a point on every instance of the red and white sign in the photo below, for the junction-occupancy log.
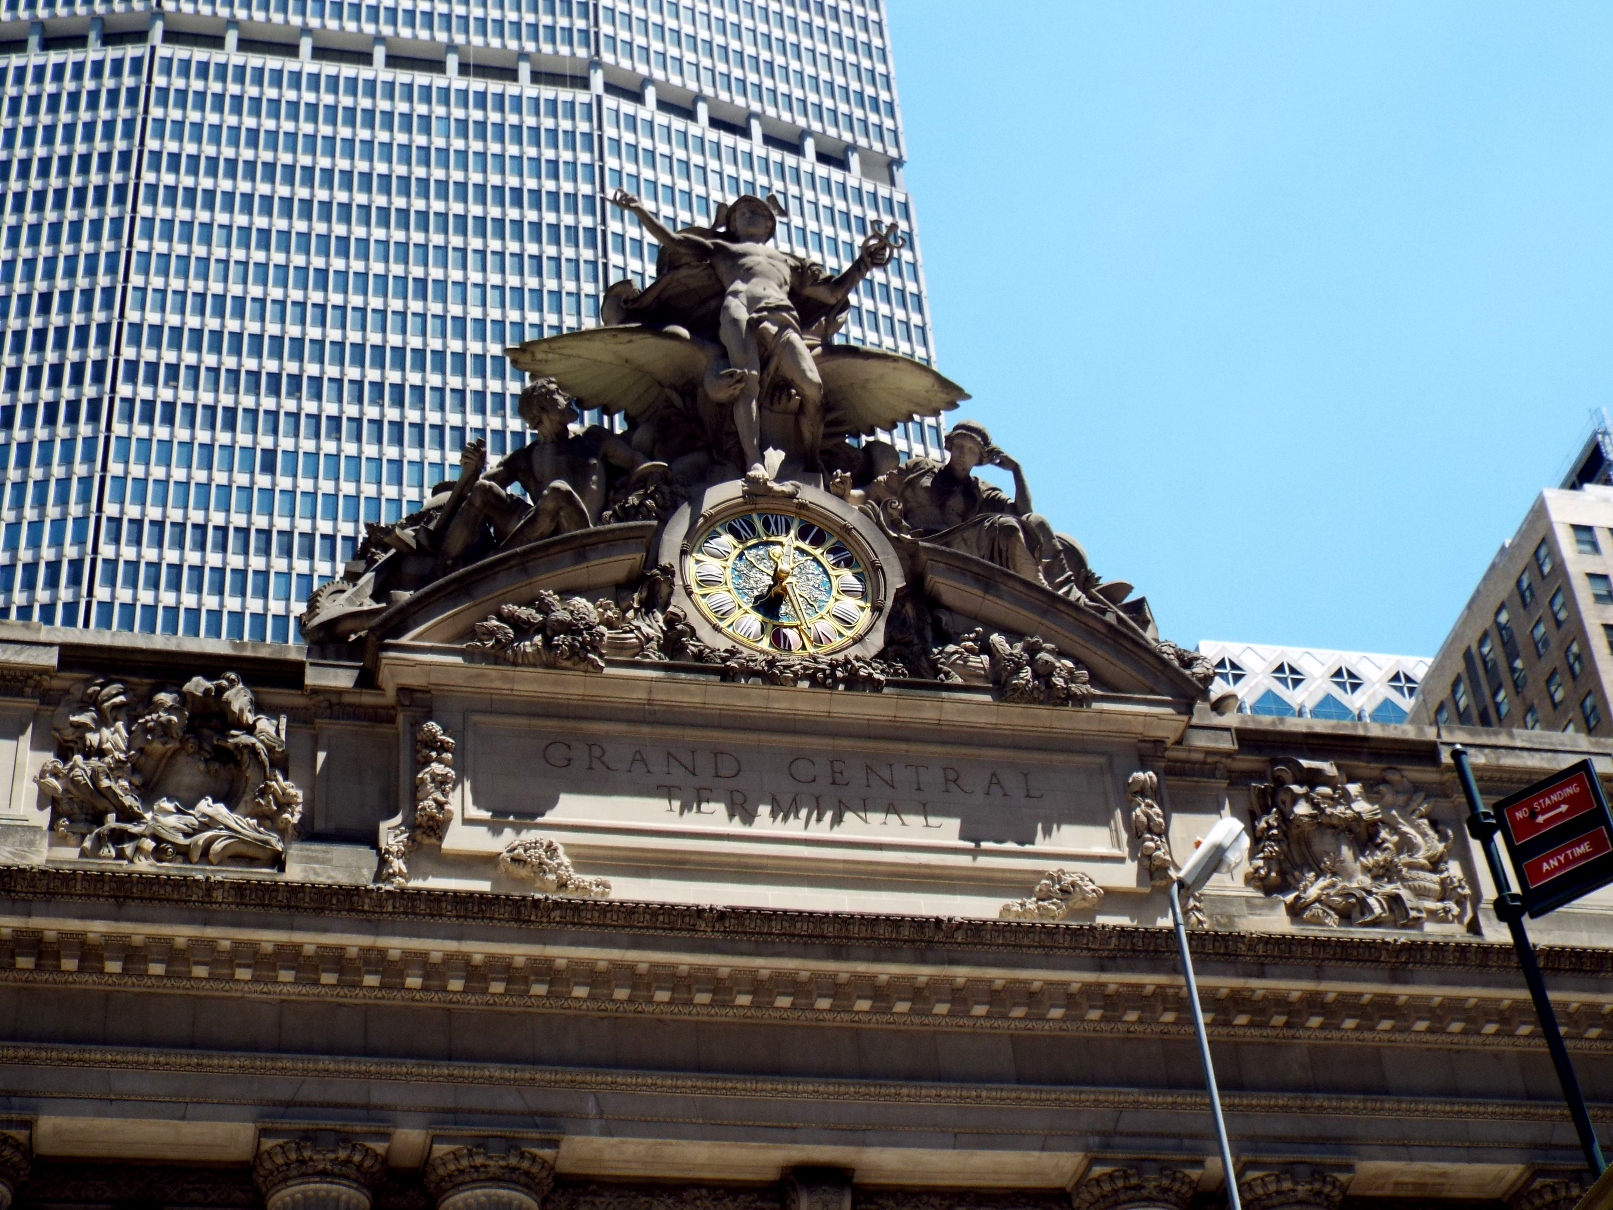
(1550, 808)
(1567, 856)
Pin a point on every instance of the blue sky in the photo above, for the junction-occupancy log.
(1288, 309)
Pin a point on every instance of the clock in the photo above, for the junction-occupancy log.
(802, 575)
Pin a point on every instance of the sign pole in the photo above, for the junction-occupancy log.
(1482, 827)
(1234, 1202)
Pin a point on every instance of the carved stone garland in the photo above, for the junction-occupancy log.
(189, 775)
(1055, 897)
(1148, 826)
(578, 634)
(434, 785)
(1339, 855)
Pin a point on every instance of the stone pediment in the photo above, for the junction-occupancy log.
(1120, 658)
(609, 566)
(588, 562)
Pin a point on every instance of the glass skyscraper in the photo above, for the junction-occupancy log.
(261, 263)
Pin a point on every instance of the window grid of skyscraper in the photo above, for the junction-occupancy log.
(260, 264)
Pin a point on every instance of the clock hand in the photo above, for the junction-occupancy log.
(800, 616)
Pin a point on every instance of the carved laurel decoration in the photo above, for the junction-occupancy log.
(462, 1166)
(542, 862)
(189, 775)
(1055, 897)
(549, 633)
(1148, 826)
(302, 1160)
(1125, 1187)
(434, 783)
(1340, 855)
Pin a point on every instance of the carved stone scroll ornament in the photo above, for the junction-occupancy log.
(542, 862)
(302, 1175)
(1148, 826)
(1131, 1189)
(16, 1160)
(189, 775)
(1058, 895)
(1339, 855)
(473, 1178)
(434, 785)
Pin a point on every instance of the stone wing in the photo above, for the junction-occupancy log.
(867, 389)
(623, 369)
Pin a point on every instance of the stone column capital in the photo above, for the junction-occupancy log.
(1299, 1188)
(302, 1175)
(817, 1188)
(1135, 1189)
(474, 1178)
(1550, 1191)
(16, 1160)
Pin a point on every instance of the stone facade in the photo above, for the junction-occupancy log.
(782, 846)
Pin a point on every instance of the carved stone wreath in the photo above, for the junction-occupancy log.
(188, 775)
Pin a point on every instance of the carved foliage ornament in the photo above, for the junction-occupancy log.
(301, 1160)
(1290, 1191)
(578, 634)
(1120, 1188)
(462, 1167)
(1341, 855)
(1055, 897)
(542, 862)
(188, 775)
(434, 785)
(549, 633)
(1148, 826)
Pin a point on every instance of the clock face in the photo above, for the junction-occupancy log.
(774, 581)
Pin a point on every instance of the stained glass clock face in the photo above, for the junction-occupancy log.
(778, 582)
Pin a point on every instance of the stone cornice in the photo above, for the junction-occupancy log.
(996, 940)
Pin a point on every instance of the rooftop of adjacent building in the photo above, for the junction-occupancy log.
(1313, 682)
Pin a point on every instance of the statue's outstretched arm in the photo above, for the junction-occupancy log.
(661, 234)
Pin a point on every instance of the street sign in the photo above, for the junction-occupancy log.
(1559, 835)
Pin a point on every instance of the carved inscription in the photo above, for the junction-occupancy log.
(574, 778)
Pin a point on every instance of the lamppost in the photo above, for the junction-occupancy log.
(1225, 846)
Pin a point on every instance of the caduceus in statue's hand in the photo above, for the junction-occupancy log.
(759, 324)
(880, 245)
